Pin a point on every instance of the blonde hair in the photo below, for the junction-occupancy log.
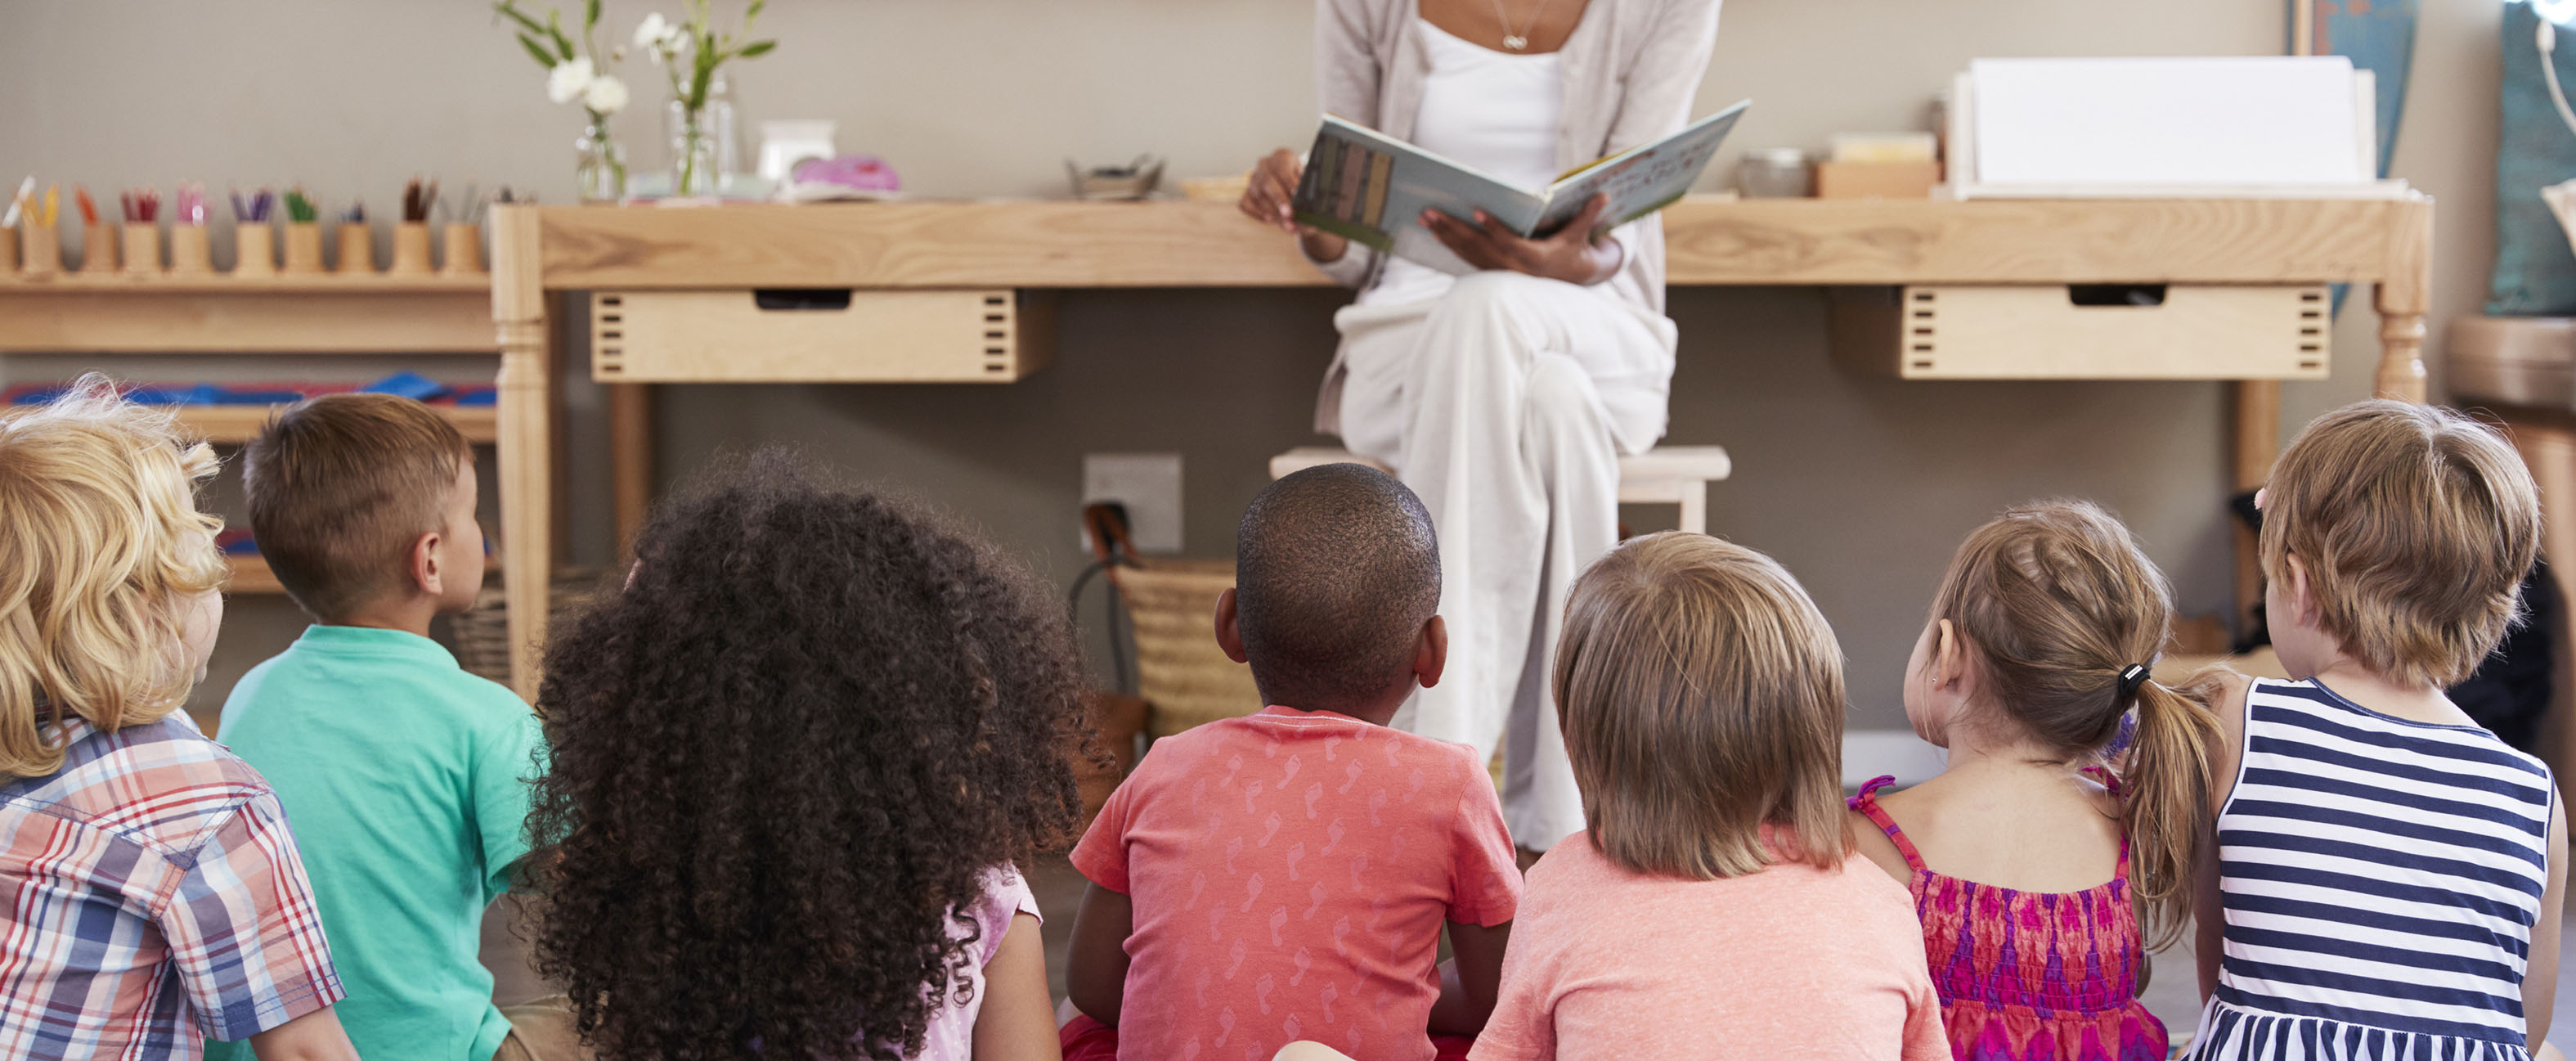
(341, 487)
(1701, 696)
(2416, 526)
(2054, 600)
(100, 544)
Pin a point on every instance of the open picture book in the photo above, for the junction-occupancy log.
(1372, 188)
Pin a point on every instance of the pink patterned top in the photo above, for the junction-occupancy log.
(2030, 976)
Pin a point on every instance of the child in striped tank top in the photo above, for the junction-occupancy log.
(2042, 880)
(2388, 876)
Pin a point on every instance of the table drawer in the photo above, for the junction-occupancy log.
(805, 335)
(2110, 331)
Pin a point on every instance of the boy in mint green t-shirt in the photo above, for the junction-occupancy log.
(403, 777)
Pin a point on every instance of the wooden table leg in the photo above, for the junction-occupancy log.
(2257, 440)
(630, 455)
(526, 439)
(2402, 298)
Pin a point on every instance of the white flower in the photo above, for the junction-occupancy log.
(606, 94)
(569, 80)
(657, 35)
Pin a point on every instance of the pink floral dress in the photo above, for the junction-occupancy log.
(2030, 976)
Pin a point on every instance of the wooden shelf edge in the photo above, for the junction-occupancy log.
(251, 575)
(233, 424)
(227, 283)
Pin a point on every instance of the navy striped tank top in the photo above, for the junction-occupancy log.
(2380, 880)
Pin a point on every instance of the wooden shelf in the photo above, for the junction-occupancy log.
(1709, 240)
(251, 575)
(233, 424)
(229, 284)
(111, 315)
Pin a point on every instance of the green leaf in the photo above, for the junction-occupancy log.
(511, 11)
(752, 13)
(757, 48)
(537, 51)
(590, 16)
(554, 28)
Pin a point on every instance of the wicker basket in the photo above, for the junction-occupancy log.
(1185, 678)
(482, 632)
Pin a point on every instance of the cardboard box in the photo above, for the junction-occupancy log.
(1876, 180)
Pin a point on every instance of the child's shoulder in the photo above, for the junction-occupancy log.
(162, 783)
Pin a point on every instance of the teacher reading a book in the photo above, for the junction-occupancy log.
(1503, 393)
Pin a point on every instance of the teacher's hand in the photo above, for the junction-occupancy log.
(1266, 199)
(1571, 255)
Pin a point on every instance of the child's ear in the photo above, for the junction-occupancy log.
(1949, 655)
(1431, 652)
(2300, 592)
(1228, 635)
(426, 573)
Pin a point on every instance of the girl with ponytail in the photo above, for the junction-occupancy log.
(2050, 856)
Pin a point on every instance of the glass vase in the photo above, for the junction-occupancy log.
(693, 160)
(600, 174)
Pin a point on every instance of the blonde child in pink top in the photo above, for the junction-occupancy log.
(1710, 909)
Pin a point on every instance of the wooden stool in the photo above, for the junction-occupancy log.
(1665, 475)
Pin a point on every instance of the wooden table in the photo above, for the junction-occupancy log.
(1054, 245)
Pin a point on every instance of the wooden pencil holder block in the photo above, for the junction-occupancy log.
(303, 244)
(8, 250)
(189, 252)
(411, 248)
(254, 250)
(142, 248)
(463, 244)
(40, 250)
(357, 248)
(98, 248)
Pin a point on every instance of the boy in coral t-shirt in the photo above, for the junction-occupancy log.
(1285, 876)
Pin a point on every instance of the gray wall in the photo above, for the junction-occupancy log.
(1860, 483)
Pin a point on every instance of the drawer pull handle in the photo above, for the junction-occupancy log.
(2116, 294)
(801, 298)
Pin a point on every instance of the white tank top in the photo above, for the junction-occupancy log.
(1495, 111)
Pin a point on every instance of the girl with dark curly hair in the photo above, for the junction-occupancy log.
(795, 760)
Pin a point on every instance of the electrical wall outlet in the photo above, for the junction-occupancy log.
(1149, 484)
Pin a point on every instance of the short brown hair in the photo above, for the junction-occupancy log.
(2416, 526)
(341, 486)
(1701, 695)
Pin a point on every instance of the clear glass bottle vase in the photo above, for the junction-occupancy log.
(599, 174)
(694, 173)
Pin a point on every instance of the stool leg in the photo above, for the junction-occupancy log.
(1695, 507)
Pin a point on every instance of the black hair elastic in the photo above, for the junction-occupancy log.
(2131, 677)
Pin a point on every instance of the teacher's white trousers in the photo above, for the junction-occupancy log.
(1505, 405)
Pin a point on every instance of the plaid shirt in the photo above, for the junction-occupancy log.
(155, 900)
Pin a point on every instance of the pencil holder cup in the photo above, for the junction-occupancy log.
(40, 250)
(464, 246)
(254, 250)
(188, 251)
(303, 247)
(98, 248)
(411, 248)
(357, 248)
(142, 248)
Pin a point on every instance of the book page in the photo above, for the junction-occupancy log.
(1642, 180)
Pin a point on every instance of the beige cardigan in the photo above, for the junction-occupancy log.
(1631, 70)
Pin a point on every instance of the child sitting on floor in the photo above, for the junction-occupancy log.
(154, 893)
(796, 758)
(2388, 876)
(1709, 910)
(1285, 875)
(2040, 889)
(404, 774)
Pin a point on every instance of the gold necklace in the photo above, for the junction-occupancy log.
(1518, 41)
